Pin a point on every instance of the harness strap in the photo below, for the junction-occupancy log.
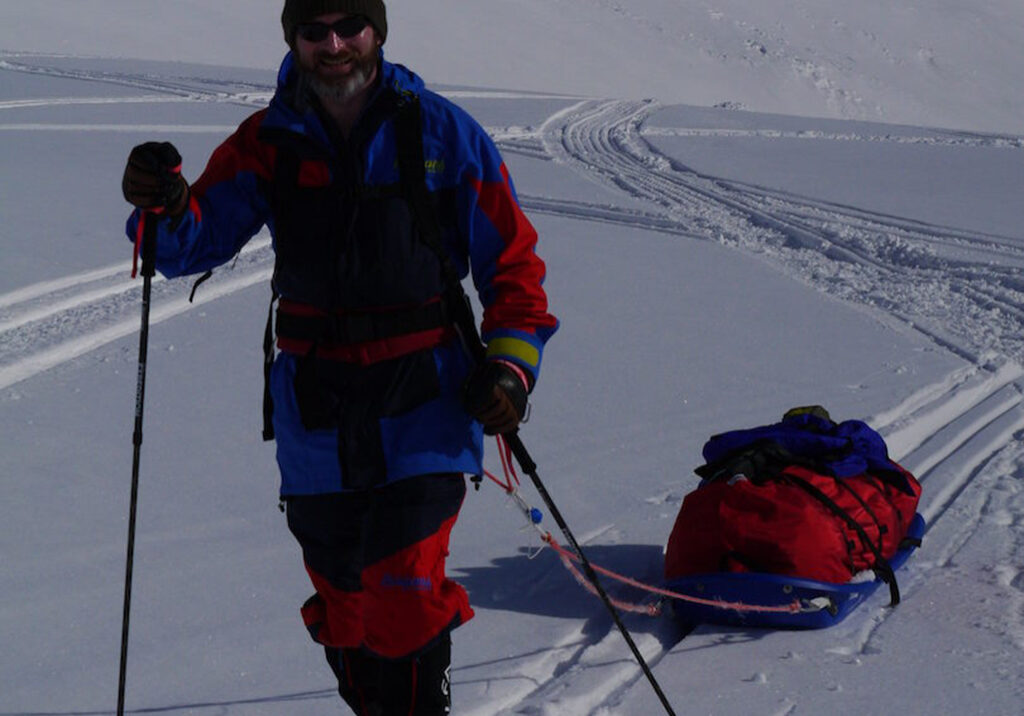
(268, 364)
(300, 322)
(412, 170)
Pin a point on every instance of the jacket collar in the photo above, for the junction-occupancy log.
(292, 109)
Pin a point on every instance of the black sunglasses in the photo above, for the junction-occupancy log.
(345, 28)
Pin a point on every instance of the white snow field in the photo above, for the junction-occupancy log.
(843, 228)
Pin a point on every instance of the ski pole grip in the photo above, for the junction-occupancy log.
(149, 234)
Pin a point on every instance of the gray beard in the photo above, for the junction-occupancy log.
(340, 91)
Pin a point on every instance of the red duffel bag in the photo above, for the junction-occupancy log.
(767, 509)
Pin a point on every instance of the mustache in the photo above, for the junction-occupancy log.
(337, 56)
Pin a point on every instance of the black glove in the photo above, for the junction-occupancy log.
(496, 397)
(153, 180)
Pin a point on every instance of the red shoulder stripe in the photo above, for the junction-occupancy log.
(241, 152)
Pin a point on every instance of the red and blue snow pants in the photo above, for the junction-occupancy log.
(377, 561)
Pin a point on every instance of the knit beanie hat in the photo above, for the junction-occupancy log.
(299, 11)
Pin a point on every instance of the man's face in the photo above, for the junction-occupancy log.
(338, 67)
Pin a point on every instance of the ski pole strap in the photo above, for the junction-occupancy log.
(145, 243)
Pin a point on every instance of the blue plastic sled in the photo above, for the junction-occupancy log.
(823, 604)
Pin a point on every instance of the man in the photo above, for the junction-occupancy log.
(380, 195)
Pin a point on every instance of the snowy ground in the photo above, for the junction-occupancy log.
(711, 268)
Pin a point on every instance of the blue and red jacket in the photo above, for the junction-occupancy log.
(347, 244)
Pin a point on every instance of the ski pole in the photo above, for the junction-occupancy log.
(530, 468)
(147, 238)
(473, 342)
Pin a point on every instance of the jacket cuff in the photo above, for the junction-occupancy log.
(519, 350)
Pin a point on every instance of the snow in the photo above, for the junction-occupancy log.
(850, 238)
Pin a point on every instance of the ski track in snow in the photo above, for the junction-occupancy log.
(180, 89)
(963, 436)
(942, 138)
(48, 324)
(920, 273)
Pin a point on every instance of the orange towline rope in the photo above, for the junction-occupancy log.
(569, 560)
(510, 485)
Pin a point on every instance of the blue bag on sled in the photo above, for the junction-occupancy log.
(793, 525)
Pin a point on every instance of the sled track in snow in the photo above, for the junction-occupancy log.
(963, 437)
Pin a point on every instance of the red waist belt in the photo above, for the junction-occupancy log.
(364, 336)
